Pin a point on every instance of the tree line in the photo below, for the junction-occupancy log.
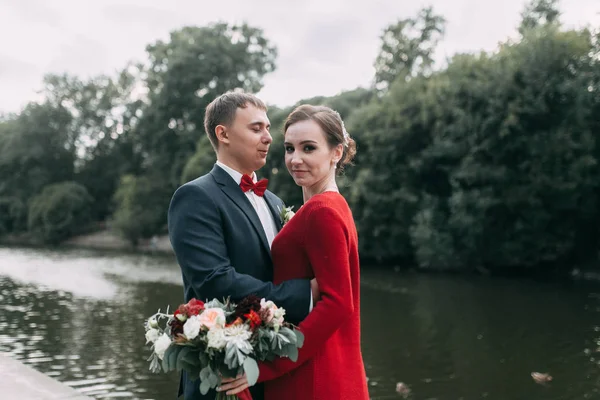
(487, 162)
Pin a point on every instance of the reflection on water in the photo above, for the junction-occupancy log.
(78, 317)
(479, 338)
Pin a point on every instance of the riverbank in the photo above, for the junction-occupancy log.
(109, 240)
(20, 382)
(100, 240)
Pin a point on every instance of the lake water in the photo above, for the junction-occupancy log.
(77, 315)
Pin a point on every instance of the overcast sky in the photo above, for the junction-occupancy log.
(325, 46)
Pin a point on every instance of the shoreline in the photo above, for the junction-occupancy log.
(99, 240)
(107, 240)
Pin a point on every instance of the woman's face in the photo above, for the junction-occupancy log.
(308, 157)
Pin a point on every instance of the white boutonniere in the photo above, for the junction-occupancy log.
(286, 214)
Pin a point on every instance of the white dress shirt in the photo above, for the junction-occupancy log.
(261, 208)
(258, 202)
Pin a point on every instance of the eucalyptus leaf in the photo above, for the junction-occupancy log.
(234, 357)
(292, 353)
(214, 304)
(283, 339)
(241, 356)
(213, 379)
(231, 358)
(203, 359)
(292, 336)
(288, 333)
(275, 345)
(180, 357)
(251, 370)
(205, 372)
(204, 387)
(155, 364)
(170, 358)
(192, 358)
(299, 338)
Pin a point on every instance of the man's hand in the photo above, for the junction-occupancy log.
(233, 385)
(314, 287)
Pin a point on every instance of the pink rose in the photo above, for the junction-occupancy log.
(269, 307)
(212, 317)
(274, 314)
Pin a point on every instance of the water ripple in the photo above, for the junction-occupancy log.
(445, 337)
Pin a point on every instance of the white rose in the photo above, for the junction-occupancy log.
(216, 338)
(152, 335)
(278, 317)
(191, 328)
(286, 214)
(161, 345)
(289, 214)
(266, 303)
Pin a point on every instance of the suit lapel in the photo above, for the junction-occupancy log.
(272, 202)
(233, 191)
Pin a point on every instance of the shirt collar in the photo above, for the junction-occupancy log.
(235, 175)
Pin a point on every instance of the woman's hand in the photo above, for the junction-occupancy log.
(233, 385)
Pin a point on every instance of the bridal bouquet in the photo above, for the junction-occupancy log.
(220, 339)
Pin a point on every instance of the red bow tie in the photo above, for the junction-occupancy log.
(248, 184)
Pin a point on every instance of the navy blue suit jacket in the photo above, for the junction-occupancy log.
(222, 250)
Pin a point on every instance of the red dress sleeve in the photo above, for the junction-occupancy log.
(327, 246)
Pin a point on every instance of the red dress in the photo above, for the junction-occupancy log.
(321, 241)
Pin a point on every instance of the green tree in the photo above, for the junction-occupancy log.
(34, 152)
(407, 47)
(59, 211)
(201, 162)
(104, 110)
(491, 162)
(142, 204)
(528, 185)
(385, 191)
(13, 215)
(539, 13)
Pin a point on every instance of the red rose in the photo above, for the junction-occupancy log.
(254, 319)
(182, 309)
(194, 307)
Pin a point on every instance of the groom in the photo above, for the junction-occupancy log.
(222, 224)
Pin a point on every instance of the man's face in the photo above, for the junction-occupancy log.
(247, 139)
